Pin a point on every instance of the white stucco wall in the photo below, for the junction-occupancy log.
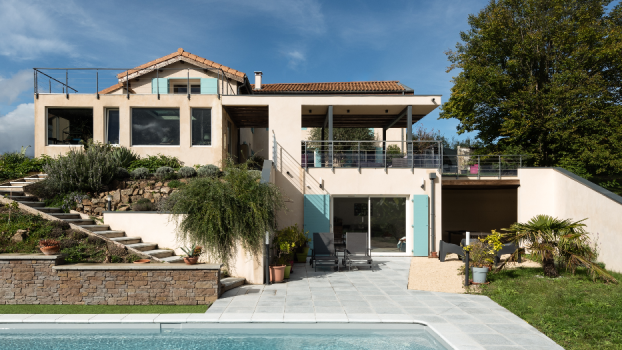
(560, 194)
(157, 228)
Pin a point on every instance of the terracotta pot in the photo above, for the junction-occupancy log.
(53, 250)
(191, 261)
(142, 261)
(277, 273)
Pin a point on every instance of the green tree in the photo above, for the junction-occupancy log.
(542, 77)
(345, 134)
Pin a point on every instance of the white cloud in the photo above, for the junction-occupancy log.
(17, 129)
(296, 57)
(11, 88)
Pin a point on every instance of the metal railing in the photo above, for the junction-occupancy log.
(482, 165)
(93, 80)
(371, 154)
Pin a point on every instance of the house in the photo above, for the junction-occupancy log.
(202, 112)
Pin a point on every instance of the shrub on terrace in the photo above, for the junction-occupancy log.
(165, 173)
(209, 170)
(140, 173)
(122, 173)
(154, 162)
(186, 172)
(124, 156)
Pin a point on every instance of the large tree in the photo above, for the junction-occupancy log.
(542, 77)
(345, 134)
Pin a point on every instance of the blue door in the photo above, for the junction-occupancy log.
(316, 214)
(420, 225)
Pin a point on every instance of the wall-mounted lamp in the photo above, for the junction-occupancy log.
(422, 182)
(348, 111)
(433, 100)
(310, 111)
(290, 175)
(321, 183)
(386, 111)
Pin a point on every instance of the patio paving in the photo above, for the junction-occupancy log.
(464, 321)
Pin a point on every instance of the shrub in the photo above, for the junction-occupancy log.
(256, 174)
(165, 173)
(143, 204)
(209, 170)
(122, 173)
(87, 170)
(175, 184)
(41, 190)
(16, 164)
(186, 172)
(154, 162)
(66, 202)
(140, 173)
(234, 212)
(124, 156)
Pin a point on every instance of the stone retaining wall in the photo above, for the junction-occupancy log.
(40, 279)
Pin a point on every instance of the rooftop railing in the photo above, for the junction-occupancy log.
(371, 154)
(482, 165)
(93, 80)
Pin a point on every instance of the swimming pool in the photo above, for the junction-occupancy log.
(219, 336)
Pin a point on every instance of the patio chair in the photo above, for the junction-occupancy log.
(357, 250)
(446, 248)
(323, 252)
(508, 248)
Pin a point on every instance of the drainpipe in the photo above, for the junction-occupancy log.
(433, 253)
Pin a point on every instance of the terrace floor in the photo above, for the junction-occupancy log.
(464, 321)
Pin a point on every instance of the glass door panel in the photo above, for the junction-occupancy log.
(388, 224)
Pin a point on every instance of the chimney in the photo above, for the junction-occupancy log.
(258, 80)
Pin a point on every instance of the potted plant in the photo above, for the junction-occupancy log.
(302, 243)
(284, 242)
(49, 246)
(192, 254)
(482, 255)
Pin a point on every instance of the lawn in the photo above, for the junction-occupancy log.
(102, 309)
(574, 311)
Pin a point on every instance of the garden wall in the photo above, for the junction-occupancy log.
(41, 279)
(157, 228)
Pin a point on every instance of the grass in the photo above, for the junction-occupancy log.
(102, 309)
(574, 311)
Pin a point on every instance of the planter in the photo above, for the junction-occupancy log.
(53, 250)
(479, 274)
(277, 273)
(302, 257)
(305, 251)
(191, 261)
(288, 270)
(142, 261)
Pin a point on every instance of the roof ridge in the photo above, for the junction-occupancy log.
(339, 82)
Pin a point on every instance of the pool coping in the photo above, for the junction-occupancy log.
(165, 327)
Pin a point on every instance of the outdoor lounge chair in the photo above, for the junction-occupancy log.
(357, 250)
(447, 248)
(323, 252)
(508, 248)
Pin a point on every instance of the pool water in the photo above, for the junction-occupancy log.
(225, 339)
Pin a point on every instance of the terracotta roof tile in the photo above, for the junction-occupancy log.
(336, 87)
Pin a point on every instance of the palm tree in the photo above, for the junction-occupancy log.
(551, 239)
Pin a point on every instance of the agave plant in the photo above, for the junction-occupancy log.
(551, 239)
(193, 251)
(124, 156)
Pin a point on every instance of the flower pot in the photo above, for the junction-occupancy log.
(302, 257)
(479, 274)
(53, 250)
(277, 273)
(305, 251)
(191, 261)
(287, 271)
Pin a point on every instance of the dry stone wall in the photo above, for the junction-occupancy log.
(39, 279)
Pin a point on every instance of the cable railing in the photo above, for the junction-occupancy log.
(148, 81)
(371, 154)
(482, 165)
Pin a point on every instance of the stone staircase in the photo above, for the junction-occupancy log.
(15, 191)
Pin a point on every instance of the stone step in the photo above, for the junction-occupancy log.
(229, 283)
(80, 222)
(95, 228)
(144, 246)
(108, 233)
(19, 183)
(64, 216)
(38, 205)
(175, 259)
(11, 191)
(159, 253)
(33, 179)
(124, 240)
(24, 198)
(49, 210)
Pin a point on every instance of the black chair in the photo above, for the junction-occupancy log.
(446, 248)
(357, 251)
(323, 252)
(508, 248)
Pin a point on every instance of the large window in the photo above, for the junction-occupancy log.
(69, 126)
(155, 126)
(201, 127)
(112, 126)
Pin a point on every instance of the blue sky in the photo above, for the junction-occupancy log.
(290, 41)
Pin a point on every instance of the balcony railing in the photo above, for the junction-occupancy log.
(482, 165)
(371, 154)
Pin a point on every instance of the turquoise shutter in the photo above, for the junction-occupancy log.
(163, 85)
(316, 214)
(209, 86)
(420, 225)
(379, 155)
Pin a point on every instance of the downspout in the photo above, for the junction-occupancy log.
(433, 253)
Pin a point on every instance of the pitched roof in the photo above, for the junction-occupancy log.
(393, 86)
(181, 55)
(113, 88)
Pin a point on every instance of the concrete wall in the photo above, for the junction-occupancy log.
(478, 210)
(185, 151)
(157, 228)
(559, 193)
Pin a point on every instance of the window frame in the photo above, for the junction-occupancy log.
(107, 122)
(211, 127)
(47, 134)
(158, 107)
